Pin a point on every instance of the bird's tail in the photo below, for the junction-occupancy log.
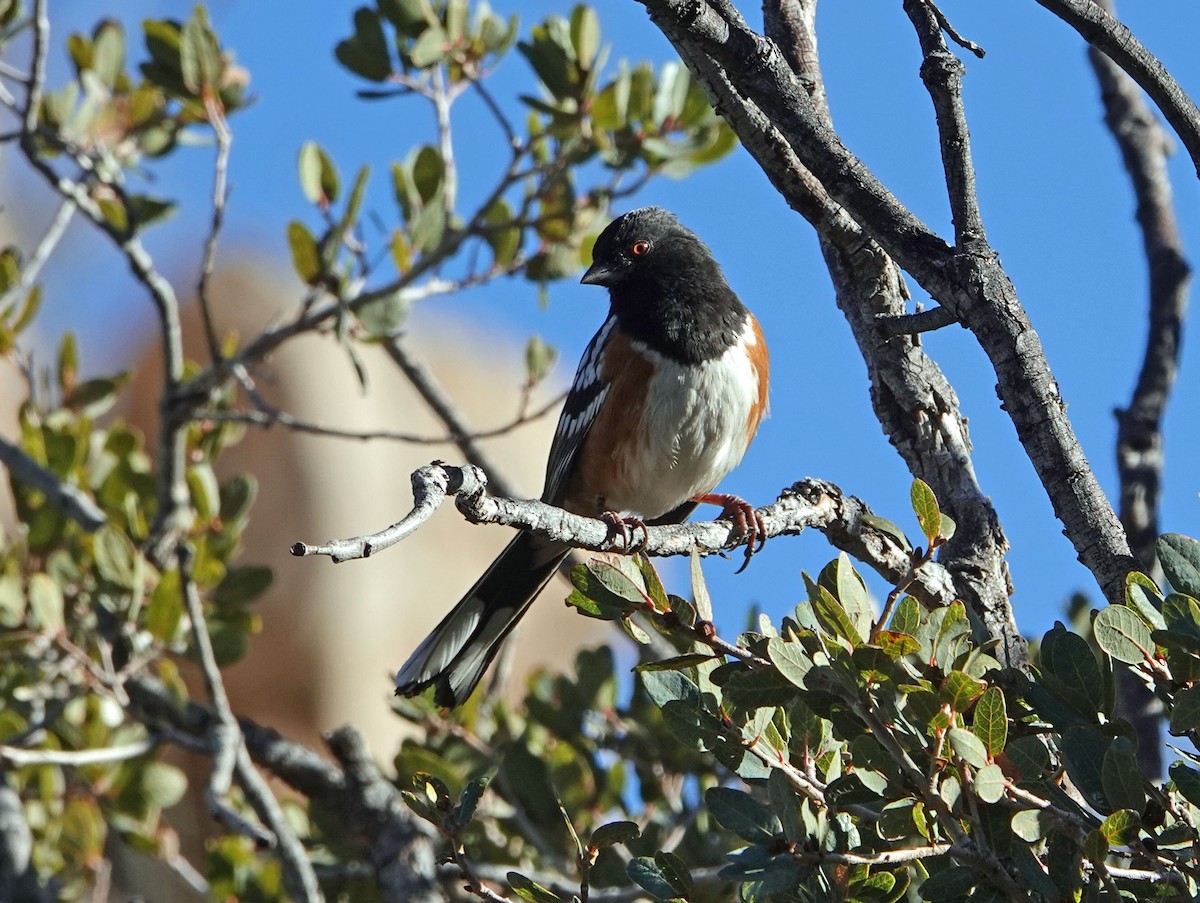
(454, 656)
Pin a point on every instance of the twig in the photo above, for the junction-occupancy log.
(942, 73)
(19, 757)
(37, 68)
(230, 756)
(70, 500)
(268, 416)
(220, 197)
(33, 267)
(445, 409)
(914, 324)
(1106, 33)
(952, 32)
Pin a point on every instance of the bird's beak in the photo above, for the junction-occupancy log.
(597, 274)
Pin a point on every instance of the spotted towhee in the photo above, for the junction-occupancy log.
(666, 399)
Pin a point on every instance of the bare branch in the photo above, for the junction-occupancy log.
(1101, 29)
(915, 324)
(33, 267)
(810, 503)
(445, 409)
(220, 197)
(70, 500)
(19, 757)
(230, 756)
(942, 73)
(1144, 147)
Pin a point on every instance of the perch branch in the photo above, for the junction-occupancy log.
(809, 503)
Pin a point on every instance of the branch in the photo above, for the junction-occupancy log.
(33, 267)
(70, 500)
(172, 489)
(844, 520)
(230, 756)
(1144, 146)
(893, 326)
(75, 758)
(362, 805)
(220, 196)
(443, 406)
(1102, 30)
(942, 73)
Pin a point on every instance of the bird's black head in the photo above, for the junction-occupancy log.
(634, 245)
(666, 287)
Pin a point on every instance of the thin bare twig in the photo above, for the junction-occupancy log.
(18, 756)
(220, 197)
(33, 266)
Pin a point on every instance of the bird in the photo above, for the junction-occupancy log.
(664, 403)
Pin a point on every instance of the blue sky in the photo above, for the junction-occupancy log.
(1055, 201)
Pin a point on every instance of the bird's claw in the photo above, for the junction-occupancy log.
(627, 528)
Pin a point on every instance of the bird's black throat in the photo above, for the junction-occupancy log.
(689, 315)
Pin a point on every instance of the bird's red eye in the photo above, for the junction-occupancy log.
(640, 248)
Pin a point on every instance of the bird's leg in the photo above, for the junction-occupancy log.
(748, 521)
(627, 528)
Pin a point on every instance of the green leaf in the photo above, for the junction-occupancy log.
(163, 785)
(319, 178)
(115, 556)
(46, 606)
(528, 889)
(1187, 781)
(306, 257)
(585, 34)
(429, 48)
(677, 663)
(428, 172)
(968, 747)
(242, 584)
(539, 359)
(1179, 556)
(647, 873)
(700, 596)
(833, 617)
(991, 721)
(1121, 827)
(925, 506)
(952, 884)
(666, 686)
(1143, 596)
(502, 237)
(1185, 711)
(366, 52)
(676, 873)
(742, 814)
(383, 317)
(613, 833)
(1031, 825)
(989, 783)
(959, 690)
(199, 55)
(907, 617)
(790, 659)
(1122, 776)
(1123, 635)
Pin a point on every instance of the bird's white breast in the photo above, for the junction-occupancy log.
(693, 432)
